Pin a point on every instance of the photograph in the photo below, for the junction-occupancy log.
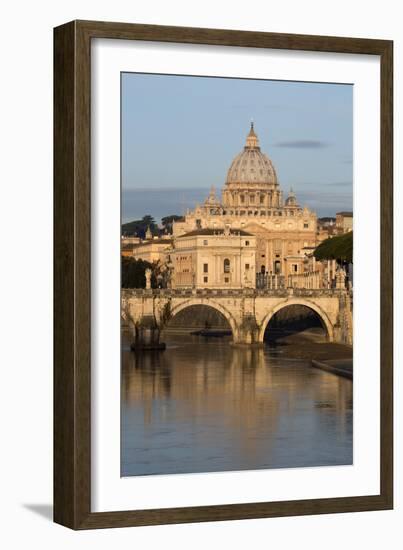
(212, 356)
(236, 274)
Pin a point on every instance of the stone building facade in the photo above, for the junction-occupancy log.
(151, 249)
(344, 222)
(213, 258)
(252, 201)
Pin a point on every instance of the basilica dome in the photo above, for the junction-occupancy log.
(252, 166)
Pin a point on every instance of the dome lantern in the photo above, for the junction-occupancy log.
(252, 141)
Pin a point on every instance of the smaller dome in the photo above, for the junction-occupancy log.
(291, 200)
(212, 198)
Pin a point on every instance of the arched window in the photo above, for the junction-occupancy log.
(227, 265)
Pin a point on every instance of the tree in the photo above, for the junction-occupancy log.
(139, 227)
(167, 222)
(338, 248)
(133, 273)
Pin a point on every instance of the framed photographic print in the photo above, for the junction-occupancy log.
(223, 275)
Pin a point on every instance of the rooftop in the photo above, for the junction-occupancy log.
(213, 232)
(152, 241)
(345, 214)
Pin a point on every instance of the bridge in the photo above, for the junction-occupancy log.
(247, 311)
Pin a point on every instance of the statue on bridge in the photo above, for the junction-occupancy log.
(247, 283)
(148, 278)
(340, 278)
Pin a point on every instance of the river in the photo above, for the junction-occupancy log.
(203, 405)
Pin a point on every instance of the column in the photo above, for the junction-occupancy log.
(333, 269)
(267, 263)
(328, 274)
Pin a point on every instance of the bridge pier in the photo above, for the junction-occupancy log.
(247, 333)
(147, 335)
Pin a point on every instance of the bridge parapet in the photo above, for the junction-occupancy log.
(224, 292)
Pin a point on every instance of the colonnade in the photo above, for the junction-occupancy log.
(309, 280)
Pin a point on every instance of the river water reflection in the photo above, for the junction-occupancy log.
(206, 406)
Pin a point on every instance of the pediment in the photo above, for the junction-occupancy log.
(255, 228)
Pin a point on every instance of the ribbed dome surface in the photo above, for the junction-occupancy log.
(251, 165)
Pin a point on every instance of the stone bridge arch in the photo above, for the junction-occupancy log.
(178, 307)
(298, 302)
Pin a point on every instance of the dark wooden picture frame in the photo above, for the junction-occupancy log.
(72, 271)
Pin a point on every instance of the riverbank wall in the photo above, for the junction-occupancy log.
(341, 367)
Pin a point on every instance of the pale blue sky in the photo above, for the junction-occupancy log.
(180, 134)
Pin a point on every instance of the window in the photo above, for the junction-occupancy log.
(205, 243)
(205, 279)
(242, 199)
(261, 199)
(227, 265)
(205, 268)
(246, 266)
(306, 225)
(263, 255)
(246, 243)
(295, 268)
(198, 224)
(226, 279)
(252, 199)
